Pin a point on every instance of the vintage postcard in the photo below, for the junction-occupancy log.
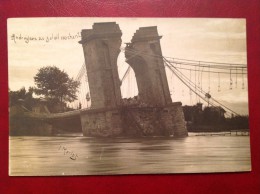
(98, 96)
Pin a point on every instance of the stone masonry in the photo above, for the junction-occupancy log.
(101, 46)
(154, 121)
(155, 115)
(143, 54)
(165, 118)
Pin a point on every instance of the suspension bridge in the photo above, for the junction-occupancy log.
(102, 111)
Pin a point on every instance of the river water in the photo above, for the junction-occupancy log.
(78, 155)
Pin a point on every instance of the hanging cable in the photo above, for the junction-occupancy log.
(209, 80)
(201, 78)
(236, 78)
(195, 81)
(243, 83)
(216, 72)
(190, 91)
(207, 94)
(218, 83)
(173, 84)
(231, 82)
(125, 74)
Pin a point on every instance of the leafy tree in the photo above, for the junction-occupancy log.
(14, 96)
(22, 94)
(55, 84)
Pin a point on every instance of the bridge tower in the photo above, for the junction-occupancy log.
(143, 54)
(101, 46)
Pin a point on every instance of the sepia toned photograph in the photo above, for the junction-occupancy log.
(109, 96)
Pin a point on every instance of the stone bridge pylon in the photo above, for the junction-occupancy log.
(108, 117)
(143, 54)
(101, 46)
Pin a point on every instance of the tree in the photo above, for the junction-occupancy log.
(22, 94)
(55, 84)
(14, 96)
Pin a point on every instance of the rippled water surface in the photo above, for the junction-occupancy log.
(77, 155)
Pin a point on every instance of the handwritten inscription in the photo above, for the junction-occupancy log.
(15, 38)
(66, 152)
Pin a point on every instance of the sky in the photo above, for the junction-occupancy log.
(37, 42)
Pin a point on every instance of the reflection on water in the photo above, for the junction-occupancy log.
(52, 155)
